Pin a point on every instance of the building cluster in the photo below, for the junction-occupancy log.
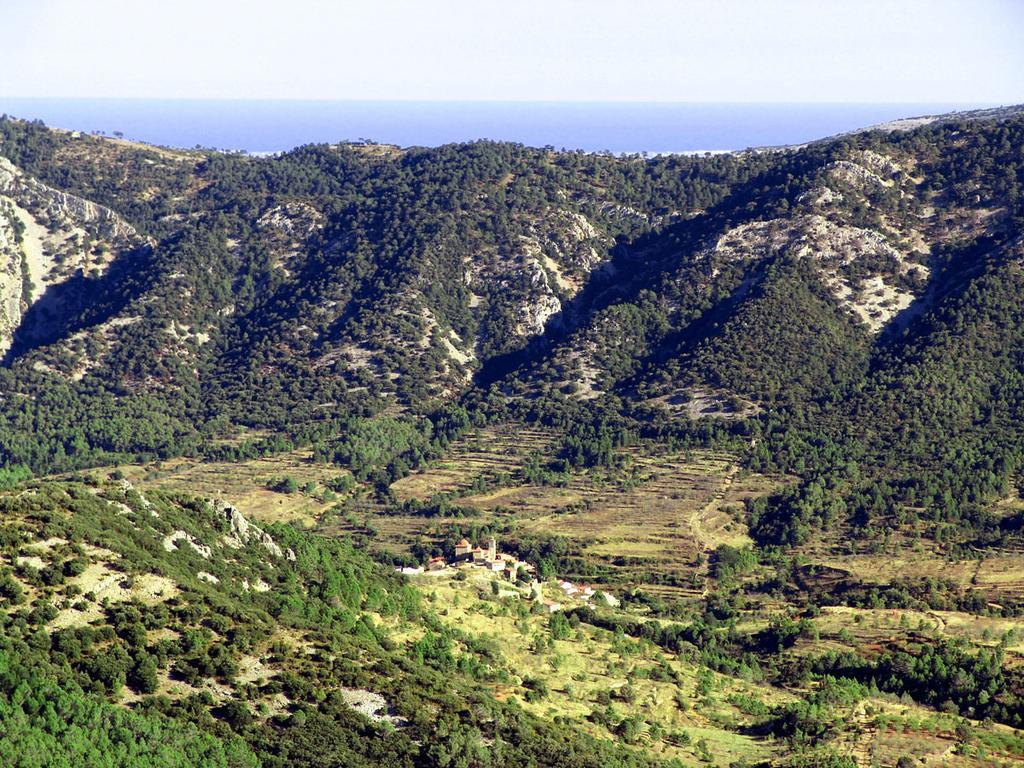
(511, 568)
(468, 556)
(582, 591)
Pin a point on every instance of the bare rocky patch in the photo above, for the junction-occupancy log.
(866, 273)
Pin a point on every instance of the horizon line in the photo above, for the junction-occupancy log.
(503, 101)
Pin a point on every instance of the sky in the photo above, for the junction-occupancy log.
(518, 50)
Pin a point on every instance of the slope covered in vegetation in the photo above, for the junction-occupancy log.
(772, 399)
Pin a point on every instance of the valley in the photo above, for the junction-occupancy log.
(769, 401)
(677, 515)
(668, 511)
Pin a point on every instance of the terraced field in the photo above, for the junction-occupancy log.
(485, 457)
(651, 522)
(652, 525)
(485, 454)
(242, 484)
(875, 627)
(1000, 574)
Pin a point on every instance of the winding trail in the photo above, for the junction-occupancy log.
(697, 522)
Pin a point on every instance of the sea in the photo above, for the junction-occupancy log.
(271, 126)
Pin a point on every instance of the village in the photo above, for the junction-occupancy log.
(521, 574)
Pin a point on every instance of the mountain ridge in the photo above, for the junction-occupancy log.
(339, 282)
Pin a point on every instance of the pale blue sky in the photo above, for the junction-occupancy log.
(597, 50)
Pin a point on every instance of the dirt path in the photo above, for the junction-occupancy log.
(699, 518)
(864, 742)
(697, 522)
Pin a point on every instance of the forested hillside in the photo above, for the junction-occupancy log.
(234, 646)
(771, 400)
(850, 305)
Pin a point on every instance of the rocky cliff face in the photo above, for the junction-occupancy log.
(865, 272)
(47, 237)
(12, 272)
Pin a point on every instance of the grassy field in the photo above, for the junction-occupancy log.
(679, 709)
(677, 705)
(245, 485)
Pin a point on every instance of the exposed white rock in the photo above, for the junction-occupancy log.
(121, 508)
(543, 303)
(127, 488)
(171, 544)
(856, 175)
(46, 237)
(535, 316)
(62, 205)
(882, 165)
(874, 299)
(258, 586)
(185, 334)
(243, 532)
(619, 211)
(286, 228)
(463, 358)
(12, 284)
(370, 704)
(875, 303)
(820, 196)
(295, 219)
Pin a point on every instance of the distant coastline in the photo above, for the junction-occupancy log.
(268, 127)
